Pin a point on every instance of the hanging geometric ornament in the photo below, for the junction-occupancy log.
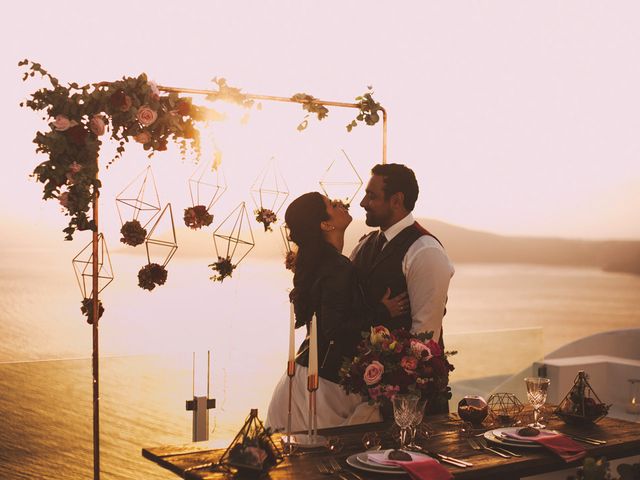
(341, 181)
(206, 186)
(83, 268)
(140, 203)
(232, 240)
(161, 245)
(269, 192)
(289, 249)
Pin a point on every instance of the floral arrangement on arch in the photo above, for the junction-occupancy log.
(387, 363)
(132, 108)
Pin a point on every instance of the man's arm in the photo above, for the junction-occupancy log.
(428, 272)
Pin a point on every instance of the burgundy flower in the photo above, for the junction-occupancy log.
(77, 134)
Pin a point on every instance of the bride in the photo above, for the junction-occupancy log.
(325, 284)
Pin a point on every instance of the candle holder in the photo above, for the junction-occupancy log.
(291, 372)
(634, 397)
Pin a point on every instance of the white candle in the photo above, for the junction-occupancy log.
(313, 348)
(292, 333)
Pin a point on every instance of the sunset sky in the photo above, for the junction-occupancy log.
(518, 117)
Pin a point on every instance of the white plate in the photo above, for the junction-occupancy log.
(355, 463)
(498, 433)
(508, 443)
(363, 457)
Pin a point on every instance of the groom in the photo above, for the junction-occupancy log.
(402, 255)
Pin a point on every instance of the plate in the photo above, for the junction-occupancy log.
(355, 463)
(489, 435)
(363, 458)
(514, 430)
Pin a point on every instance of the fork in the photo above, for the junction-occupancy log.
(336, 468)
(478, 446)
(483, 443)
(328, 469)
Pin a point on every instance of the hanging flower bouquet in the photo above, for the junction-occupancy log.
(151, 275)
(133, 233)
(387, 363)
(266, 217)
(197, 217)
(87, 309)
(290, 261)
(224, 267)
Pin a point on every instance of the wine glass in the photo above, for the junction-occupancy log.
(404, 406)
(537, 388)
(418, 415)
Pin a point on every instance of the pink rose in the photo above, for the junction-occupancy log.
(146, 116)
(373, 373)
(417, 347)
(409, 364)
(379, 334)
(97, 125)
(62, 123)
(63, 198)
(75, 167)
(143, 137)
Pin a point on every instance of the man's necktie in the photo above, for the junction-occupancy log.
(379, 243)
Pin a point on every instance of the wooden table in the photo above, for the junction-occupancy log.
(623, 440)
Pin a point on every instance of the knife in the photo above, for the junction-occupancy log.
(454, 461)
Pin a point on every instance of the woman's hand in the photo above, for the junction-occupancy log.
(398, 305)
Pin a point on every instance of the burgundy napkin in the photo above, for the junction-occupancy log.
(559, 444)
(422, 468)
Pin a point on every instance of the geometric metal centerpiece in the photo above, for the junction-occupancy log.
(341, 180)
(505, 408)
(83, 267)
(161, 243)
(139, 200)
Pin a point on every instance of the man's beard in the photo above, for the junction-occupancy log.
(371, 220)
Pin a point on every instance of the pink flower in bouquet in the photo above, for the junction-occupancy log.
(375, 392)
(97, 125)
(417, 348)
(379, 334)
(373, 373)
(146, 116)
(64, 199)
(143, 137)
(155, 91)
(409, 364)
(390, 391)
(62, 123)
(434, 348)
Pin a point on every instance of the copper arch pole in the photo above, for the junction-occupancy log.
(95, 247)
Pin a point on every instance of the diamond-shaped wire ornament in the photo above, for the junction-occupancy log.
(207, 184)
(270, 190)
(341, 180)
(139, 200)
(161, 243)
(286, 239)
(83, 267)
(233, 238)
(505, 408)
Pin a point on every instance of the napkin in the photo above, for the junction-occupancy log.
(419, 468)
(561, 445)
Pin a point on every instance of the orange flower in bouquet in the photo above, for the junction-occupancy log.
(393, 362)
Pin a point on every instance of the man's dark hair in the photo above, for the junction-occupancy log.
(398, 178)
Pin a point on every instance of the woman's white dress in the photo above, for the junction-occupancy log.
(335, 407)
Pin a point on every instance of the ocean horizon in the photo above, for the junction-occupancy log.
(147, 340)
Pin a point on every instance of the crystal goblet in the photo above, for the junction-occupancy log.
(537, 388)
(404, 406)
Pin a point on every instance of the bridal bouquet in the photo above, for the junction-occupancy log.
(387, 363)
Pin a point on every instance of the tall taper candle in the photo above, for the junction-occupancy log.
(292, 333)
(313, 348)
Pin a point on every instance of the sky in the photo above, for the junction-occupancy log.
(519, 118)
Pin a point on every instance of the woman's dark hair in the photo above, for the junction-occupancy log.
(398, 178)
(303, 218)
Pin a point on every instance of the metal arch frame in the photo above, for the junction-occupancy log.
(95, 247)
